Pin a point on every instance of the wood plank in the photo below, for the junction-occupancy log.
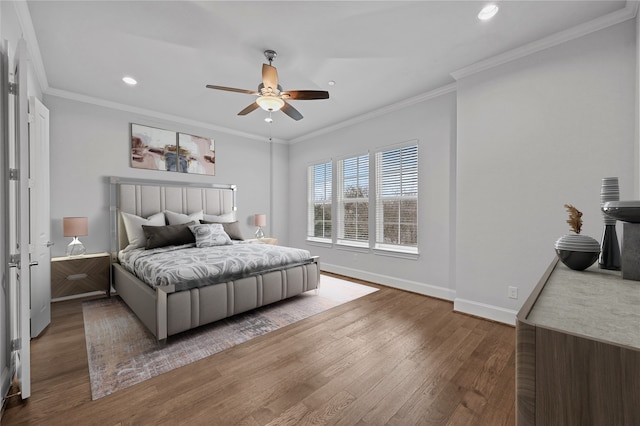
(390, 357)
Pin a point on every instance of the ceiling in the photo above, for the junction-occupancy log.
(378, 53)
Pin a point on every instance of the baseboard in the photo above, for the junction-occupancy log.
(482, 310)
(413, 286)
(495, 313)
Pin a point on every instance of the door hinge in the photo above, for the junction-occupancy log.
(14, 260)
(15, 345)
(30, 118)
(14, 174)
(13, 88)
(32, 182)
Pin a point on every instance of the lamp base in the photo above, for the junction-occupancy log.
(75, 248)
(259, 233)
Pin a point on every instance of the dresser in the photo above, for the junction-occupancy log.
(76, 276)
(578, 350)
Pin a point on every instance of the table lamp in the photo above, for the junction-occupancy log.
(260, 220)
(75, 227)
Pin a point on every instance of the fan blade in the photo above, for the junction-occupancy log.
(304, 95)
(232, 89)
(291, 111)
(270, 77)
(250, 108)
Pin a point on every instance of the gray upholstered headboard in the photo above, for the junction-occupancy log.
(146, 197)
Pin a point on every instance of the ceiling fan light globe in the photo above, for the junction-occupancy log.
(270, 103)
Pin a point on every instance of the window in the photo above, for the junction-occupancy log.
(353, 201)
(397, 199)
(319, 214)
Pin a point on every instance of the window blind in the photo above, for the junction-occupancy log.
(353, 200)
(319, 204)
(397, 199)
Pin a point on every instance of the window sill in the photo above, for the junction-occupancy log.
(353, 246)
(403, 253)
(319, 242)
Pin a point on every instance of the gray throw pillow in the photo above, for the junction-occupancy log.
(232, 229)
(169, 235)
(210, 235)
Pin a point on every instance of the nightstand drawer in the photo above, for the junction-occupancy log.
(76, 275)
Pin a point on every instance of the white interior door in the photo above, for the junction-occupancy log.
(40, 224)
(19, 203)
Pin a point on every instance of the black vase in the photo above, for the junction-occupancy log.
(610, 249)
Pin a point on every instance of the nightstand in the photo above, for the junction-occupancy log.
(265, 240)
(77, 276)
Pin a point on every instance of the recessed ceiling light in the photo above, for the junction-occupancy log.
(331, 83)
(130, 81)
(488, 12)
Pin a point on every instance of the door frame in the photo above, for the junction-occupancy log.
(6, 373)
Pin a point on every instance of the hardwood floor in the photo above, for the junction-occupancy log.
(391, 357)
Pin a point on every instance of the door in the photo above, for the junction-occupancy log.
(19, 226)
(40, 228)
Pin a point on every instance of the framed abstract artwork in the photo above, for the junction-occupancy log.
(200, 154)
(159, 149)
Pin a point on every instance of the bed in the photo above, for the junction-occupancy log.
(202, 291)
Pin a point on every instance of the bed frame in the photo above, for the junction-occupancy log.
(165, 311)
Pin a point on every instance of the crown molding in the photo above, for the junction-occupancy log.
(29, 35)
(628, 12)
(58, 93)
(379, 112)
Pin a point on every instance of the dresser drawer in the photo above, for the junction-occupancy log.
(77, 275)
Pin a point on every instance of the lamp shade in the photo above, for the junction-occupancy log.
(75, 226)
(270, 103)
(260, 220)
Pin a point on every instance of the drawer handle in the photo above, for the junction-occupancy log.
(75, 277)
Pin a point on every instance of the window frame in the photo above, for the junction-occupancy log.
(340, 239)
(379, 245)
(312, 201)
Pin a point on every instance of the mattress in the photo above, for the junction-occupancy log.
(187, 266)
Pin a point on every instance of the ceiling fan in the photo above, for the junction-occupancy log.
(271, 97)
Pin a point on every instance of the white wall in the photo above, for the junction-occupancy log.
(533, 135)
(89, 143)
(432, 123)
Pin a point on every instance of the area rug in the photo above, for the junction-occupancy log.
(122, 352)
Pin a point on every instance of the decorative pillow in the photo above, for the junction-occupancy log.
(169, 235)
(133, 226)
(231, 228)
(225, 218)
(210, 235)
(179, 218)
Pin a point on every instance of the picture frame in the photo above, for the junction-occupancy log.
(165, 150)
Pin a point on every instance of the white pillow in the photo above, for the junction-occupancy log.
(225, 218)
(133, 225)
(174, 218)
(210, 235)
